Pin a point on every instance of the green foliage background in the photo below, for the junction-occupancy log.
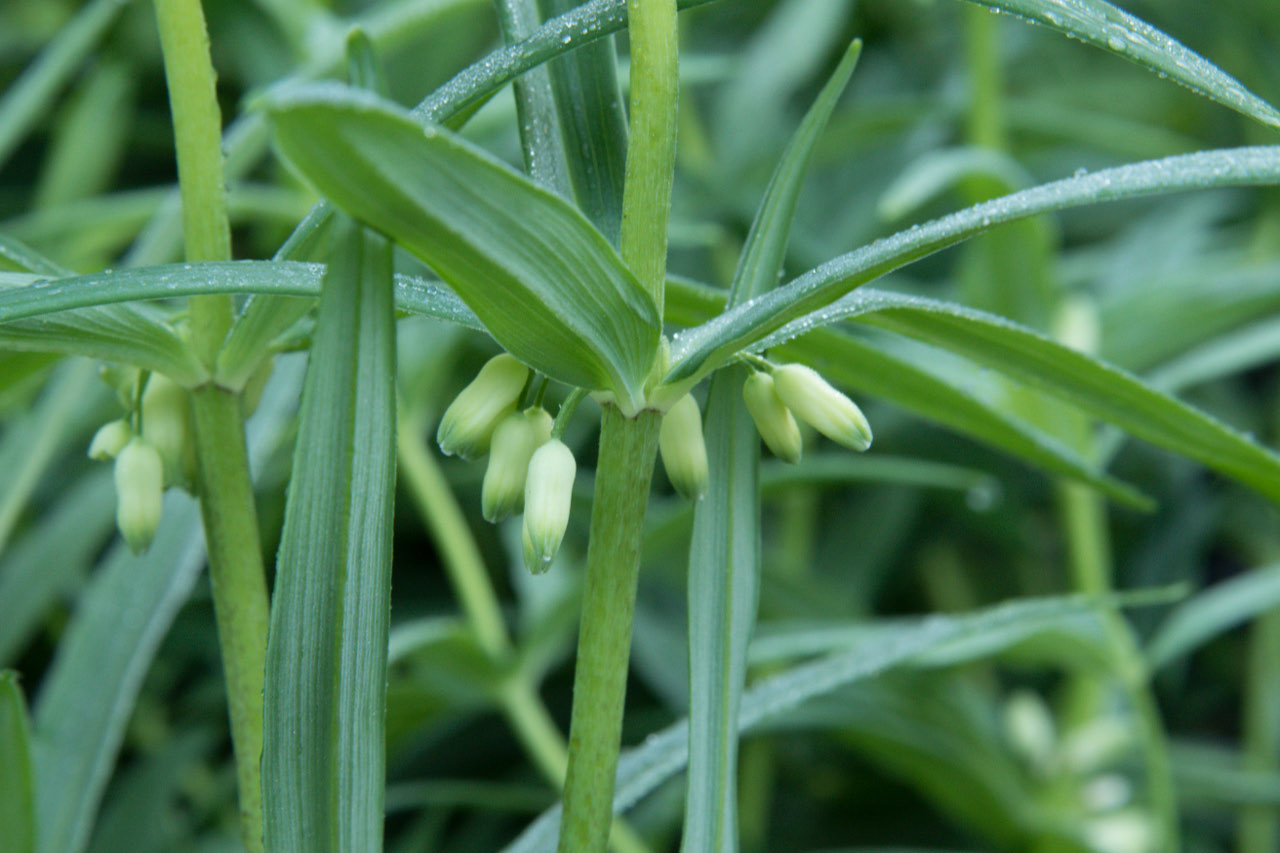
(959, 508)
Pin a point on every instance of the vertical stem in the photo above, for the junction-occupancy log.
(239, 586)
(651, 149)
(627, 451)
(225, 487)
(197, 131)
(1259, 826)
(982, 58)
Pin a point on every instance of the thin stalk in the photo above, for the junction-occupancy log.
(1259, 825)
(986, 84)
(651, 147)
(628, 448)
(519, 700)
(225, 486)
(239, 586)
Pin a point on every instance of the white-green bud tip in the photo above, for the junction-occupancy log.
(684, 452)
(139, 477)
(1077, 324)
(109, 440)
(471, 418)
(547, 495)
(165, 424)
(512, 447)
(774, 421)
(815, 402)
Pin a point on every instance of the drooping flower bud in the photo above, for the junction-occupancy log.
(513, 446)
(547, 494)
(109, 440)
(684, 452)
(824, 408)
(139, 476)
(471, 418)
(541, 422)
(774, 421)
(165, 424)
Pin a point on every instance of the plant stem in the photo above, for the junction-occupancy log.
(225, 486)
(1259, 826)
(628, 448)
(651, 149)
(197, 131)
(239, 586)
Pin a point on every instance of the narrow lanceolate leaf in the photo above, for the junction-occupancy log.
(706, 347)
(18, 256)
(86, 698)
(17, 781)
(593, 126)
(323, 763)
(545, 283)
(957, 638)
(1103, 25)
(1095, 386)
(859, 365)
(724, 555)
(724, 565)
(1214, 611)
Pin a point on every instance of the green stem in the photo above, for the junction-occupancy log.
(651, 149)
(239, 586)
(1259, 825)
(628, 448)
(197, 131)
(982, 58)
(225, 486)
(520, 703)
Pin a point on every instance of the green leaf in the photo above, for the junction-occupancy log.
(724, 565)
(17, 806)
(664, 753)
(1212, 612)
(856, 364)
(87, 695)
(49, 561)
(22, 258)
(593, 125)
(545, 284)
(323, 765)
(1103, 25)
(724, 555)
(699, 350)
(1099, 388)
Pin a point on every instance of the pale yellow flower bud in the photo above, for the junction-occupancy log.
(139, 476)
(774, 421)
(547, 495)
(109, 440)
(165, 424)
(824, 408)
(471, 418)
(541, 422)
(684, 452)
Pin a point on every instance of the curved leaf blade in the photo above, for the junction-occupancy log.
(702, 349)
(545, 283)
(1106, 26)
(17, 806)
(1212, 612)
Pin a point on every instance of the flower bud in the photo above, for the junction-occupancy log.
(165, 423)
(541, 422)
(109, 440)
(684, 453)
(139, 477)
(513, 445)
(774, 421)
(824, 408)
(547, 494)
(470, 420)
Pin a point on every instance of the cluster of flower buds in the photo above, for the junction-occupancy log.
(528, 469)
(148, 458)
(777, 398)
